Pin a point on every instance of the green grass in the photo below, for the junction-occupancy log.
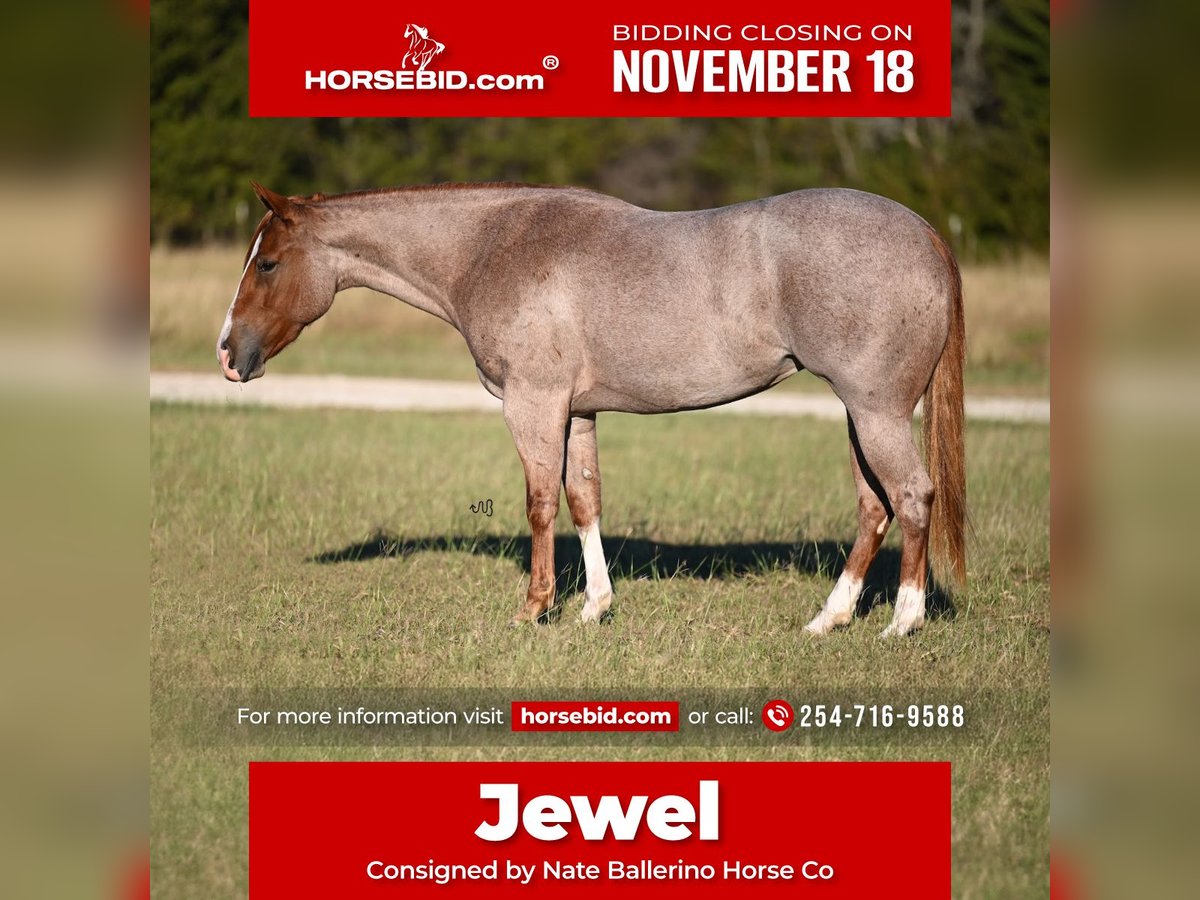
(1007, 309)
(243, 499)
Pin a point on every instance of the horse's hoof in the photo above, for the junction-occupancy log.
(910, 612)
(900, 629)
(596, 610)
(823, 623)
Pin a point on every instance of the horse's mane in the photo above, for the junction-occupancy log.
(423, 32)
(448, 186)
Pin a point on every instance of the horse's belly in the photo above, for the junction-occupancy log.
(671, 382)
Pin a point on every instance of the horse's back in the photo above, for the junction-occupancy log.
(847, 284)
(687, 309)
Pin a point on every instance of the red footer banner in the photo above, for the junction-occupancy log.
(836, 830)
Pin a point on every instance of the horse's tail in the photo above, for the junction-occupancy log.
(943, 431)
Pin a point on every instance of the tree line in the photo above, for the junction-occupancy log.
(981, 176)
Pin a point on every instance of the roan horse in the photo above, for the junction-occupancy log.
(573, 303)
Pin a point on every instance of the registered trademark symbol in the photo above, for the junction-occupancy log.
(550, 62)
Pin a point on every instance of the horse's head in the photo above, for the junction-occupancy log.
(287, 283)
(410, 30)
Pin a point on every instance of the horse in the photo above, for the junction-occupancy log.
(574, 303)
(421, 48)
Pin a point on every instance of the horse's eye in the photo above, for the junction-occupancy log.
(265, 266)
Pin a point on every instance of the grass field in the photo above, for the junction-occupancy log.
(723, 534)
(1007, 307)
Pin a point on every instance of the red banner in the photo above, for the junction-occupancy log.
(697, 58)
(843, 830)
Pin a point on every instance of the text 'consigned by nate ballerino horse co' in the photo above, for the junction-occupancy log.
(546, 818)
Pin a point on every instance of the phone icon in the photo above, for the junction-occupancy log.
(777, 715)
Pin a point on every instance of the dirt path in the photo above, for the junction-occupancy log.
(341, 391)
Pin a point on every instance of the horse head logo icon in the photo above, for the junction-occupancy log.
(421, 47)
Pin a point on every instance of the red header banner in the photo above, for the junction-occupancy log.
(623, 58)
(837, 830)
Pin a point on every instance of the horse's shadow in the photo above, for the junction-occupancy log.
(640, 558)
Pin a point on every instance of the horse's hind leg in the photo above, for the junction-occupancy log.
(874, 516)
(538, 423)
(888, 449)
(581, 477)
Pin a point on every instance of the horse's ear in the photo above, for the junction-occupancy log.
(276, 203)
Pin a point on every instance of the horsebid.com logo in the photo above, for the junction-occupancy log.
(421, 47)
(413, 74)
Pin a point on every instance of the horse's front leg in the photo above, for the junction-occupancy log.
(538, 421)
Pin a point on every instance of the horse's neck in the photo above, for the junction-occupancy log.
(410, 245)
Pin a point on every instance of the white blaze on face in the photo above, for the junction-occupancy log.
(229, 315)
(599, 587)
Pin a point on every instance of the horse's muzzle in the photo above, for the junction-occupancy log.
(248, 365)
